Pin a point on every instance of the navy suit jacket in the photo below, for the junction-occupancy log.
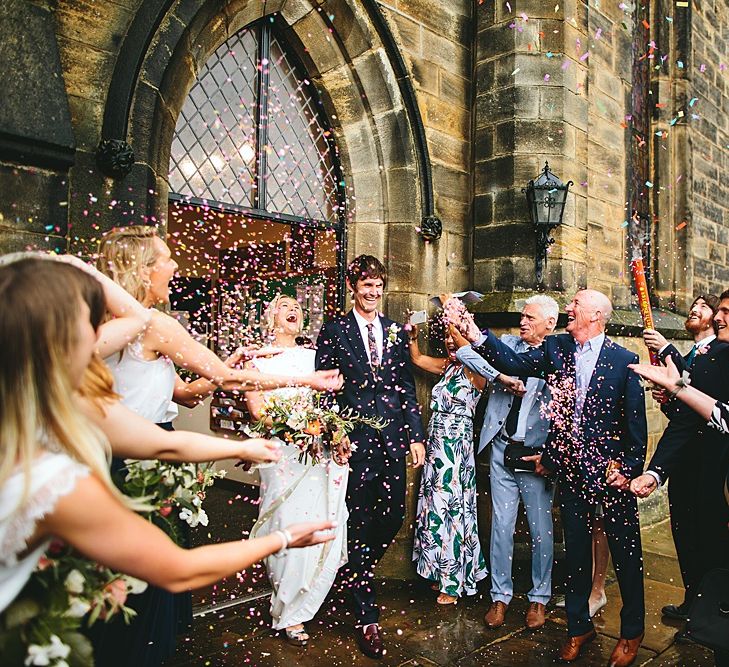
(687, 434)
(671, 407)
(388, 393)
(613, 421)
(679, 360)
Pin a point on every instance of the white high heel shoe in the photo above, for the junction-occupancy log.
(594, 608)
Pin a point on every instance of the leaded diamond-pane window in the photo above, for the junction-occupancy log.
(252, 134)
(302, 179)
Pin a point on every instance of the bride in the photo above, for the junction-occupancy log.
(296, 491)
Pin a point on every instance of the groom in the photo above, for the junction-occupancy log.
(371, 352)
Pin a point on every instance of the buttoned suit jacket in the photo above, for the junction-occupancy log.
(387, 393)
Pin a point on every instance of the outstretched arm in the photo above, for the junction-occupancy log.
(436, 365)
(134, 437)
(91, 520)
(667, 378)
(532, 363)
(168, 337)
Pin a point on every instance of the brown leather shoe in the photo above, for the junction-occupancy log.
(570, 650)
(625, 652)
(535, 615)
(495, 615)
(370, 641)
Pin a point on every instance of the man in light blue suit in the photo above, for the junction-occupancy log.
(515, 415)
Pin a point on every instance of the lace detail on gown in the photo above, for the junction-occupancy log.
(52, 477)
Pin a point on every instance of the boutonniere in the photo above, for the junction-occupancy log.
(392, 331)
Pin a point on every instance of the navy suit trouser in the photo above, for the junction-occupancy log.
(376, 504)
(685, 507)
(623, 533)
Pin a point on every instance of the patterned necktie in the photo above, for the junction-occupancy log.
(372, 344)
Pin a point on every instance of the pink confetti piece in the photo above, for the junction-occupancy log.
(584, 56)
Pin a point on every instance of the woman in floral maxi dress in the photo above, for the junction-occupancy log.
(447, 550)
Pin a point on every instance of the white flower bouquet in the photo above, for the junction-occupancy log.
(171, 487)
(42, 626)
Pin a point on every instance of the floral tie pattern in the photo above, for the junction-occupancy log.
(372, 343)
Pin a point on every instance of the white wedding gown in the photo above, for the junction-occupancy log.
(292, 492)
(52, 476)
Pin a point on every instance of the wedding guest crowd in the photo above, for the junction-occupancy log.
(95, 373)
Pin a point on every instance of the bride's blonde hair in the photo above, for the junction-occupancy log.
(269, 315)
(40, 305)
(123, 254)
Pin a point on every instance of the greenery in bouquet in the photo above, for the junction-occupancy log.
(171, 491)
(308, 422)
(65, 593)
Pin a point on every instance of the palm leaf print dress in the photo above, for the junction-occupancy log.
(447, 550)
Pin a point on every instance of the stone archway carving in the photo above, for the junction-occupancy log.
(388, 169)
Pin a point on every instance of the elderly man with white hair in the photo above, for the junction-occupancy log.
(515, 419)
(596, 444)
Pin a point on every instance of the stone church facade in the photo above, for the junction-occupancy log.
(434, 115)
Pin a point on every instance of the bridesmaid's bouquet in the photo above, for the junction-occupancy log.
(304, 420)
(65, 593)
(171, 490)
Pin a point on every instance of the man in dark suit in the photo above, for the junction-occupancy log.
(371, 352)
(595, 445)
(683, 482)
(687, 441)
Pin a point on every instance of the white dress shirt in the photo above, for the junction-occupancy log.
(586, 356)
(376, 329)
(697, 346)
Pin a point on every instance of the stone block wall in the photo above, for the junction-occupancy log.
(435, 39)
(552, 84)
(607, 39)
(708, 143)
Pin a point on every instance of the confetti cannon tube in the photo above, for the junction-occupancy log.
(641, 287)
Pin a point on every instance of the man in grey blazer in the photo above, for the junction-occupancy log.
(515, 414)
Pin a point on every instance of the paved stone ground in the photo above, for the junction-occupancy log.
(419, 632)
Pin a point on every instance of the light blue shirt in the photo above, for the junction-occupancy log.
(585, 361)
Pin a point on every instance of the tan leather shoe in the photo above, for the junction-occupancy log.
(625, 652)
(535, 615)
(495, 615)
(570, 650)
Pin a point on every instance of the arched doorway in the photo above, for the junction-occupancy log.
(256, 207)
(257, 200)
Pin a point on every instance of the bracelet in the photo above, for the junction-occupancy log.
(286, 539)
(680, 384)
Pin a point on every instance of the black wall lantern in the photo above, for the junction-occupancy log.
(546, 197)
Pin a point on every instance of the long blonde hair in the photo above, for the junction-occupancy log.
(40, 303)
(123, 254)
